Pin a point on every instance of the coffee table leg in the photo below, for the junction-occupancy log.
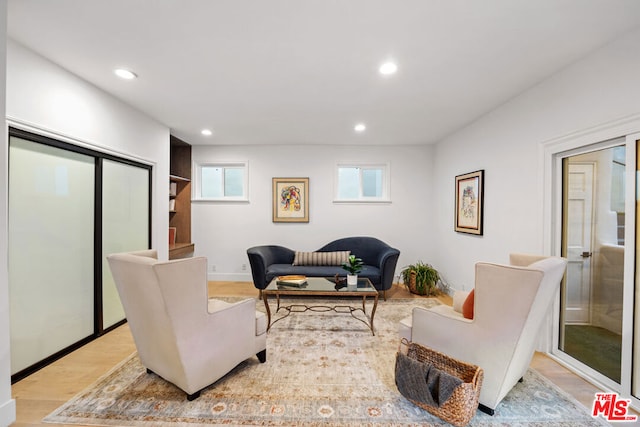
(266, 305)
(373, 312)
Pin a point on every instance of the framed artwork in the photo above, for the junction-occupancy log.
(469, 202)
(290, 199)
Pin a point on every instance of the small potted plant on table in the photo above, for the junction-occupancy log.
(353, 266)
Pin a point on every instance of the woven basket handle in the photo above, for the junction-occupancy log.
(404, 346)
(476, 377)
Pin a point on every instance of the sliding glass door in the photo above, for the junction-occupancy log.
(593, 242)
(69, 207)
(51, 224)
(125, 225)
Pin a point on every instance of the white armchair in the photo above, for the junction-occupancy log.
(180, 334)
(510, 305)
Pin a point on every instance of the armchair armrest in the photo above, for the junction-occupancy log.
(232, 328)
(218, 343)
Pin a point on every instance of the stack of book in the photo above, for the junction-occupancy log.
(296, 281)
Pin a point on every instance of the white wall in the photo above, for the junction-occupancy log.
(600, 88)
(224, 231)
(7, 405)
(46, 99)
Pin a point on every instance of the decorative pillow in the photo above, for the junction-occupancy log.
(467, 306)
(459, 298)
(321, 258)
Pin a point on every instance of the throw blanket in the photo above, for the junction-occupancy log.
(423, 382)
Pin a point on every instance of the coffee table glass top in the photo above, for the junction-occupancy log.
(321, 284)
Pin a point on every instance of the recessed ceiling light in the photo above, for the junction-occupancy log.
(206, 132)
(388, 68)
(125, 74)
(360, 127)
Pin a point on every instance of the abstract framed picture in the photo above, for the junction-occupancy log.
(290, 199)
(469, 202)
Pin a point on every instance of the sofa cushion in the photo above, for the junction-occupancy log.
(321, 258)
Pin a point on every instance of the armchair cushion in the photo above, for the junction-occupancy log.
(321, 258)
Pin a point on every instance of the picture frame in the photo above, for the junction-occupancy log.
(469, 212)
(290, 199)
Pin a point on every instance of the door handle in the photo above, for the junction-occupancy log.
(586, 254)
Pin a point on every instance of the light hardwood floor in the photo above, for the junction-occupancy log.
(44, 391)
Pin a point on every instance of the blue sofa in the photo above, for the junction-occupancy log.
(379, 260)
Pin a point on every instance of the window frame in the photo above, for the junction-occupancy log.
(197, 188)
(386, 183)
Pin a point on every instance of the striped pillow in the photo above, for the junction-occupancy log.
(321, 258)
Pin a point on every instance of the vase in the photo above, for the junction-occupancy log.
(352, 282)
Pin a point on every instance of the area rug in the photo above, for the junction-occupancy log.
(322, 369)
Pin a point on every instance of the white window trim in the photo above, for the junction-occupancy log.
(386, 183)
(197, 182)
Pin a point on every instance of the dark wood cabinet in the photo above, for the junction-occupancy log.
(180, 199)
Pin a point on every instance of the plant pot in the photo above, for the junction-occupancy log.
(422, 290)
(352, 282)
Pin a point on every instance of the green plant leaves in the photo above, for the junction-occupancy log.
(426, 277)
(353, 264)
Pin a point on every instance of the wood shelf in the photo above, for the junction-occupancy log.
(176, 178)
(180, 216)
(181, 250)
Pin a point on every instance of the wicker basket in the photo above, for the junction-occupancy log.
(460, 408)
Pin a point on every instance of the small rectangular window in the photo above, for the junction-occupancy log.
(362, 183)
(221, 181)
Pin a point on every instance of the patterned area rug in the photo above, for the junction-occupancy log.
(322, 369)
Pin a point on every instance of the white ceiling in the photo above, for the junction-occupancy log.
(305, 71)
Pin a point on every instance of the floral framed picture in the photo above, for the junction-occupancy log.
(290, 199)
(469, 202)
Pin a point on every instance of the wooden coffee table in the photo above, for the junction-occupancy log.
(321, 287)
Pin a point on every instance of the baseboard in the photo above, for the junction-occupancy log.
(229, 277)
(8, 413)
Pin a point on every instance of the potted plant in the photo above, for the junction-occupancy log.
(353, 266)
(420, 278)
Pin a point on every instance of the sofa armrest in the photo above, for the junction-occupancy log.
(261, 257)
(387, 261)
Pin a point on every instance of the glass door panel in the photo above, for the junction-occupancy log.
(51, 239)
(125, 225)
(635, 377)
(593, 243)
